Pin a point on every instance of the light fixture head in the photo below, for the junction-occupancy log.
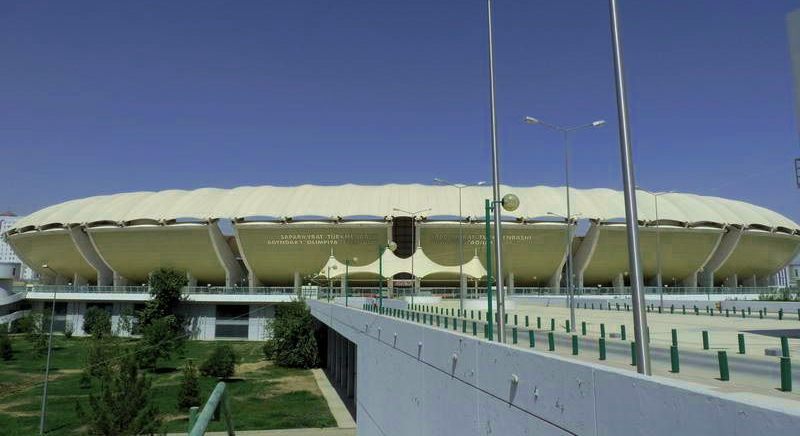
(392, 246)
(481, 183)
(532, 120)
(510, 202)
(599, 123)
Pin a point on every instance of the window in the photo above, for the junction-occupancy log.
(232, 321)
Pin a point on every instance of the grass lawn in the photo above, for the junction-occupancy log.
(262, 396)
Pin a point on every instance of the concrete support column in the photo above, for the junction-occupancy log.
(233, 271)
(732, 281)
(555, 280)
(252, 280)
(90, 254)
(749, 281)
(191, 281)
(619, 281)
(78, 281)
(298, 283)
(584, 254)
(690, 281)
(118, 280)
(725, 247)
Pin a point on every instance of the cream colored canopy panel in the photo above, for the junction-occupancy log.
(275, 251)
(357, 200)
(419, 264)
(56, 249)
(758, 253)
(683, 252)
(136, 251)
(533, 252)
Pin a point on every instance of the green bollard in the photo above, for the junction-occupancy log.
(602, 330)
(514, 335)
(474, 328)
(551, 342)
(684, 309)
(671, 308)
(568, 327)
(464, 326)
(798, 314)
(552, 324)
(574, 345)
(760, 314)
(486, 332)
(472, 314)
(743, 314)
(741, 343)
(659, 309)
(622, 332)
(437, 320)
(727, 315)
(479, 315)
(505, 318)
(455, 324)
(515, 319)
(633, 353)
(674, 337)
(785, 346)
(531, 339)
(696, 312)
(527, 323)
(602, 344)
(749, 312)
(722, 357)
(786, 374)
(674, 360)
(446, 323)
(583, 328)
(617, 307)
(538, 322)
(780, 314)
(705, 339)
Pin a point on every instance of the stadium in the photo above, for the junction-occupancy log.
(294, 236)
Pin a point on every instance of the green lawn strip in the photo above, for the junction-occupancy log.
(259, 399)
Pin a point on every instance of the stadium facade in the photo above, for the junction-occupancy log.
(281, 236)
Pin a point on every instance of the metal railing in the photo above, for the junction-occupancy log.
(217, 404)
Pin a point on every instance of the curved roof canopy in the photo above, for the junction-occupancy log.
(344, 201)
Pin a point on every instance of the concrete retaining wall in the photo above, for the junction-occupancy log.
(418, 380)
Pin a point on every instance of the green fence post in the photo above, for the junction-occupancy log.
(727, 313)
(531, 339)
(474, 328)
(527, 324)
(602, 344)
(583, 328)
(568, 327)
(622, 332)
(671, 308)
(798, 314)
(741, 343)
(455, 324)
(574, 345)
(659, 309)
(602, 330)
(551, 342)
(705, 339)
(538, 322)
(722, 357)
(760, 314)
(743, 314)
(486, 332)
(471, 314)
(780, 314)
(675, 337)
(515, 319)
(552, 324)
(464, 326)
(674, 360)
(684, 309)
(696, 311)
(514, 335)
(785, 346)
(446, 323)
(192, 417)
(633, 353)
(786, 374)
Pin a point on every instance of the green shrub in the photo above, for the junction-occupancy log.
(6, 352)
(293, 343)
(97, 322)
(189, 393)
(221, 363)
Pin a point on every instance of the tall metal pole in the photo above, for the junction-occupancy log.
(490, 312)
(461, 283)
(498, 235)
(346, 283)
(570, 287)
(380, 279)
(631, 218)
(659, 280)
(42, 418)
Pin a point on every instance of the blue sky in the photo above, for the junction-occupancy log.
(103, 97)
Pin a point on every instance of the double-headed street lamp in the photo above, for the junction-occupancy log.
(658, 243)
(570, 289)
(391, 246)
(461, 282)
(565, 132)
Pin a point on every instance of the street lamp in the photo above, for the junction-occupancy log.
(346, 280)
(391, 246)
(658, 243)
(461, 283)
(565, 132)
(42, 418)
(330, 282)
(412, 215)
(570, 288)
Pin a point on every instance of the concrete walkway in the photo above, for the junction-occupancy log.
(338, 409)
(287, 432)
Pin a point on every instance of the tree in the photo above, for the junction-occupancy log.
(221, 363)
(6, 352)
(163, 330)
(97, 322)
(38, 332)
(123, 406)
(293, 343)
(189, 394)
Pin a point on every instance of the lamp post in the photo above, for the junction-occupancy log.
(413, 216)
(631, 216)
(330, 282)
(391, 246)
(461, 283)
(659, 280)
(43, 417)
(570, 288)
(347, 280)
(566, 132)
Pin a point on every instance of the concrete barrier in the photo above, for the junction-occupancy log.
(414, 379)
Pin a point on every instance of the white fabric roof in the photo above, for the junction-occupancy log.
(379, 201)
